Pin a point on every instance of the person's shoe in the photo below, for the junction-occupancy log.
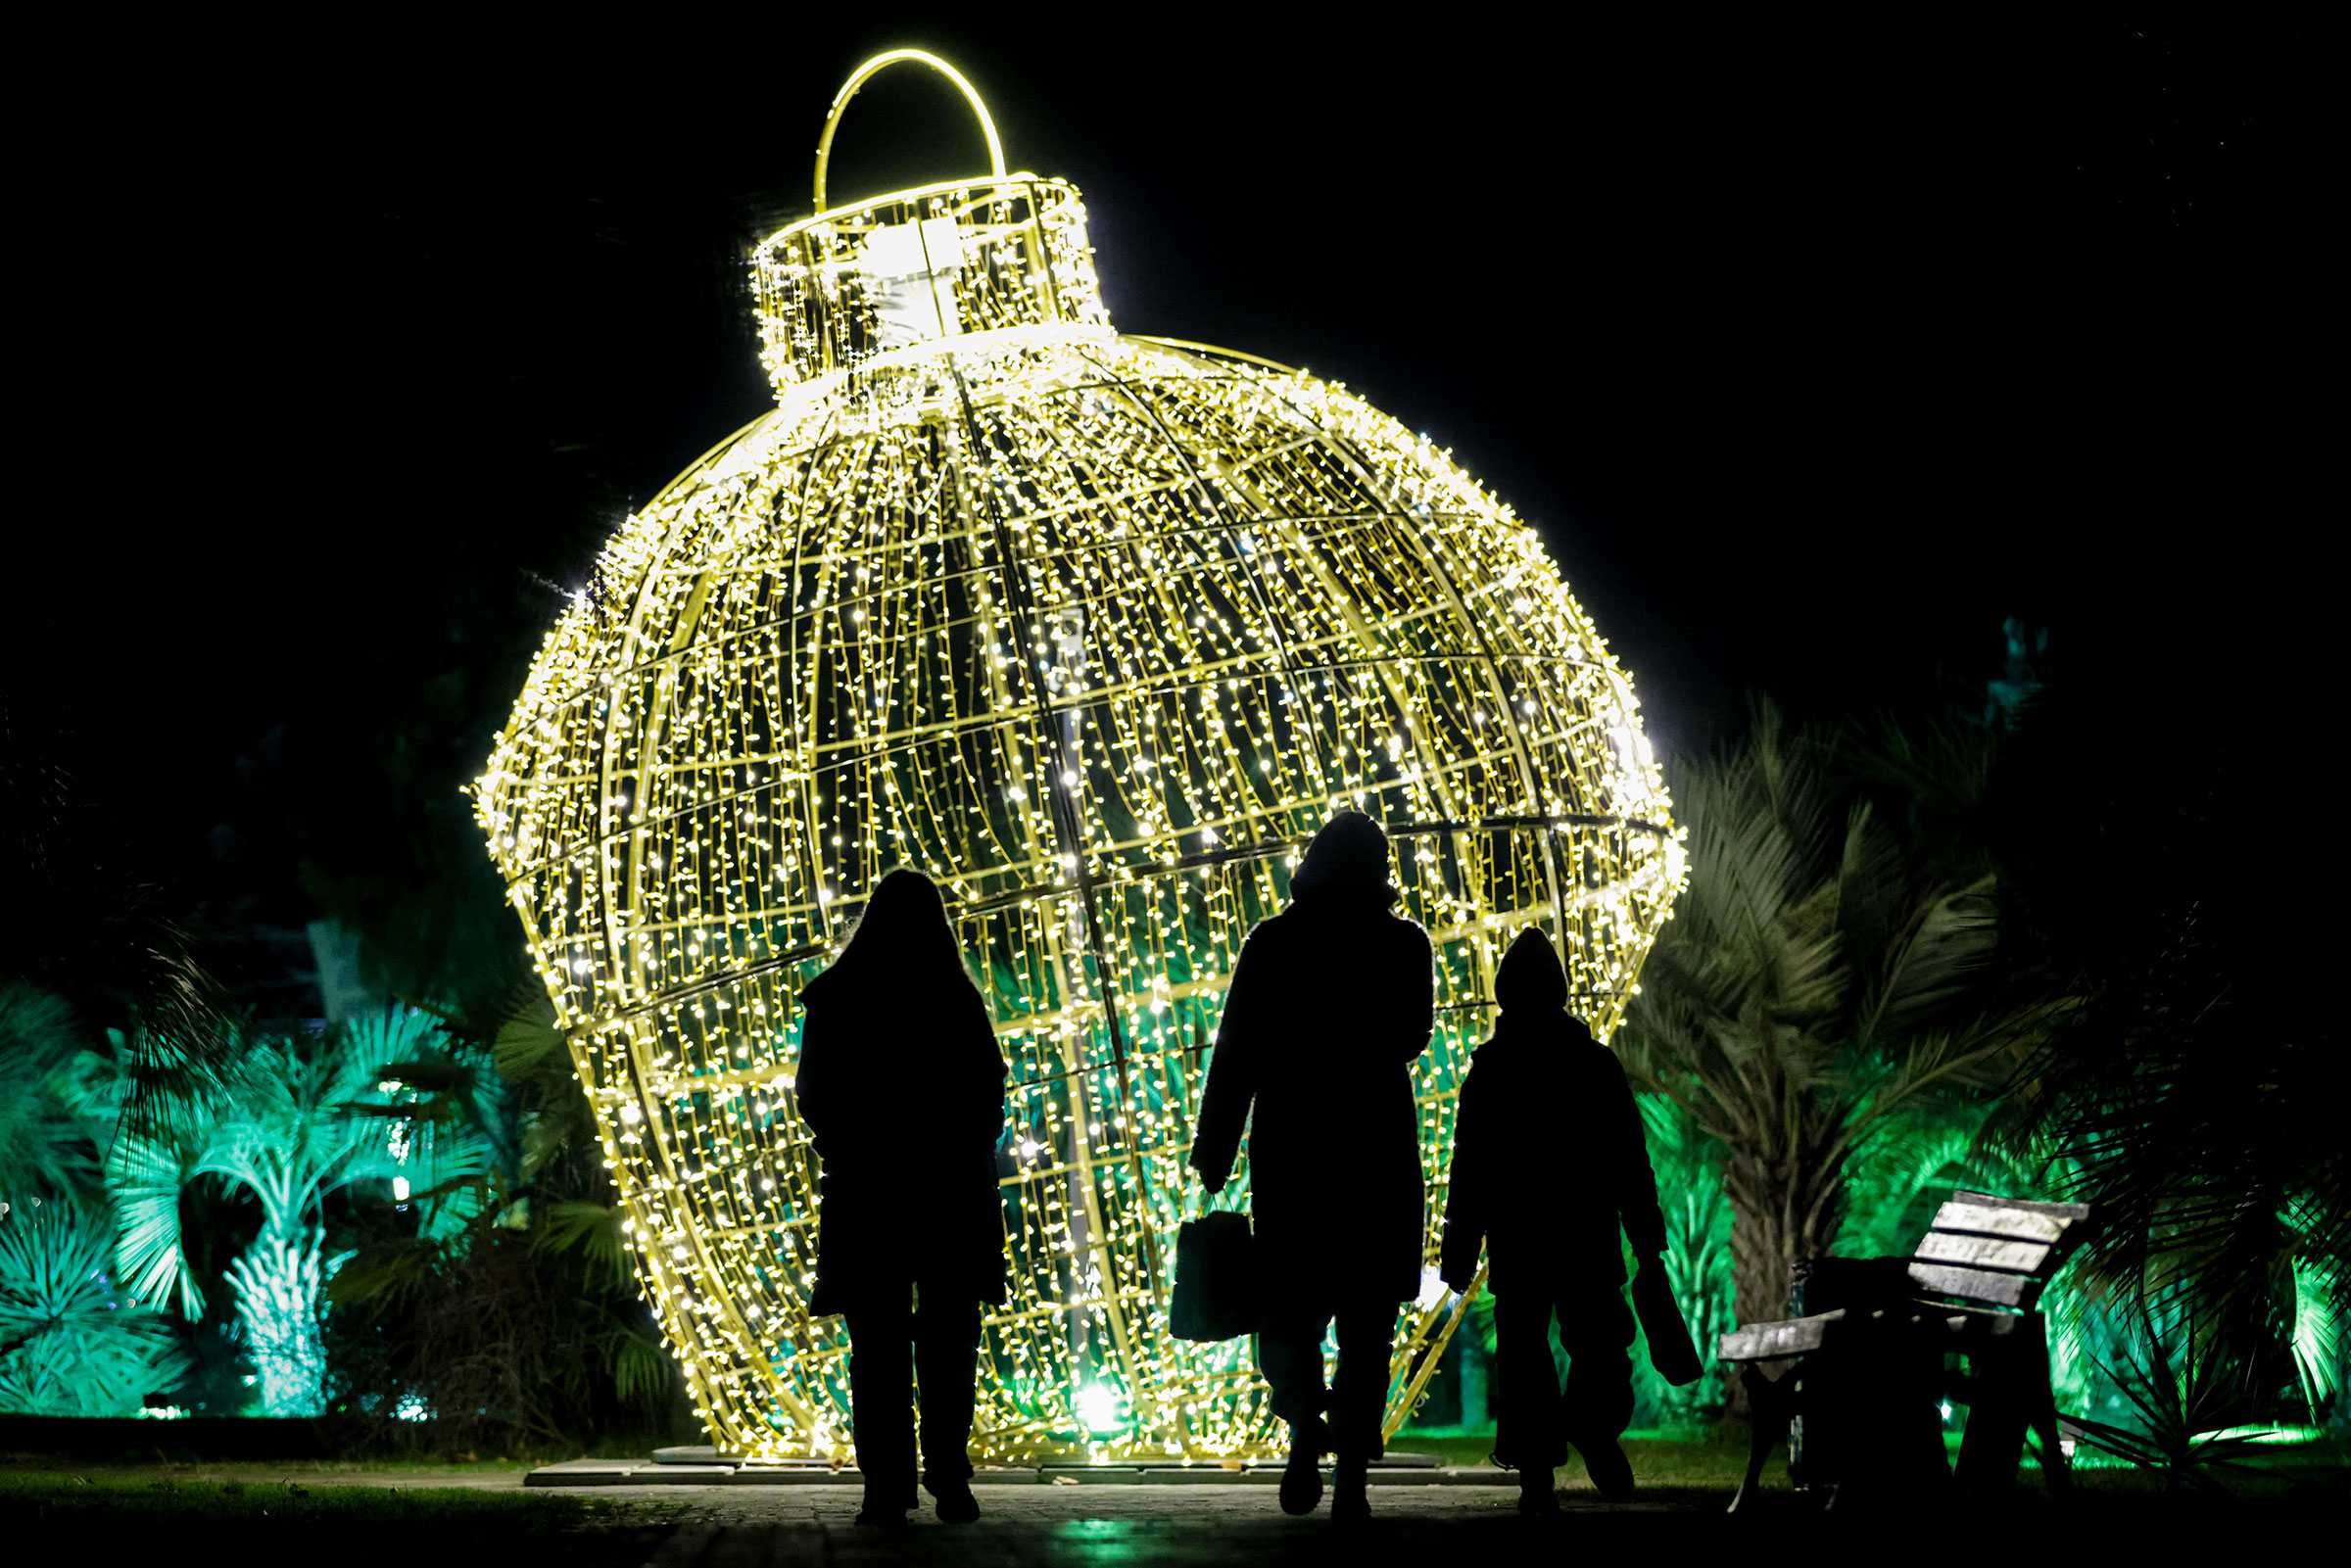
(1302, 1477)
(1536, 1493)
(1350, 1502)
(956, 1505)
(1610, 1471)
(887, 1515)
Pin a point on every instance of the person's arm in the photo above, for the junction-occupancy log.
(816, 1077)
(1416, 986)
(988, 1071)
(1232, 1072)
(1636, 1185)
(1464, 1191)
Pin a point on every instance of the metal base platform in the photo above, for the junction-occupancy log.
(707, 1467)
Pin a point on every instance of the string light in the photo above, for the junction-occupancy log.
(1098, 629)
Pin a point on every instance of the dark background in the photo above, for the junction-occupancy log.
(1814, 351)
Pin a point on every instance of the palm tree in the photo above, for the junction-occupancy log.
(523, 1327)
(1687, 1166)
(298, 1117)
(2195, 1096)
(48, 1148)
(1815, 983)
(71, 1343)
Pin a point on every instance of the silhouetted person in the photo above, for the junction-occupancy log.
(902, 1083)
(1330, 1002)
(1549, 1158)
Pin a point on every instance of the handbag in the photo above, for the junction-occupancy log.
(1670, 1348)
(1216, 1295)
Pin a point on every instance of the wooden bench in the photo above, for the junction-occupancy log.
(1869, 1369)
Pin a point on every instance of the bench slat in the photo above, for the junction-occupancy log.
(2077, 1212)
(1984, 1251)
(1769, 1342)
(1975, 1285)
(2002, 1220)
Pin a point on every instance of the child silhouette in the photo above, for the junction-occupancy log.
(1548, 1159)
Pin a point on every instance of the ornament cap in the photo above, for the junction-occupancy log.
(885, 283)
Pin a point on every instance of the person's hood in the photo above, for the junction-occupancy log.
(1347, 861)
(854, 983)
(1535, 1024)
(1529, 978)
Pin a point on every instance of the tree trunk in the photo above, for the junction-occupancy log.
(276, 1286)
(1786, 1205)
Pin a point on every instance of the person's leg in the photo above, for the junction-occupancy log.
(881, 1406)
(1289, 1352)
(1527, 1433)
(1367, 1333)
(946, 1355)
(1595, 1328)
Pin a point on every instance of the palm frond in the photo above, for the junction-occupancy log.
(1928, 962)
(593, 1230)
(47, 1147)
(148, 1172)
(527, 1048)
(640, 1373)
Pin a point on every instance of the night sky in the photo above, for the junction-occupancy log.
(1814, 355)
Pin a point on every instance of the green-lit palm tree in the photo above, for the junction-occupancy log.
(71, 1341)
(48, 1147)
(1688, 1166)
(523, 1329)
(298, 1117)
(1815, 981)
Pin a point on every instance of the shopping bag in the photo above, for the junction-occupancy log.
(1670, 1348)
(1216, 1294)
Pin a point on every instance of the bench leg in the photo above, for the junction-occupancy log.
(1771, 1404)
(2056, 1470)
(1995, 1443)
(2013, 1398)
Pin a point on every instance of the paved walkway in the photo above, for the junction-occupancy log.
(748, 1526)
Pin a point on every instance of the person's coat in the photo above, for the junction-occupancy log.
(902, 1085)
(1330, 1002)
(1549, 1153)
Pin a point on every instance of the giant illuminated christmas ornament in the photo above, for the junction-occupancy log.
(1098, 629)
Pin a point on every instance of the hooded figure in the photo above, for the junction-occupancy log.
(900, 1082)
(1548, 1159)
(1330, 1002)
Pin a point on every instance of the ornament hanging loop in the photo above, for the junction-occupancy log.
(873, 68)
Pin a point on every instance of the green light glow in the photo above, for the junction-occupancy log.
(75, 1343)
(1100, 1409)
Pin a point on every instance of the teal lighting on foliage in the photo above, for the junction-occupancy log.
(71, 1341)
(298, 1117)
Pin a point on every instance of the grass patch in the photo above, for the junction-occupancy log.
(243, 1519)
(1710, 1460)
(1715, 1460)
(301, 1472)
